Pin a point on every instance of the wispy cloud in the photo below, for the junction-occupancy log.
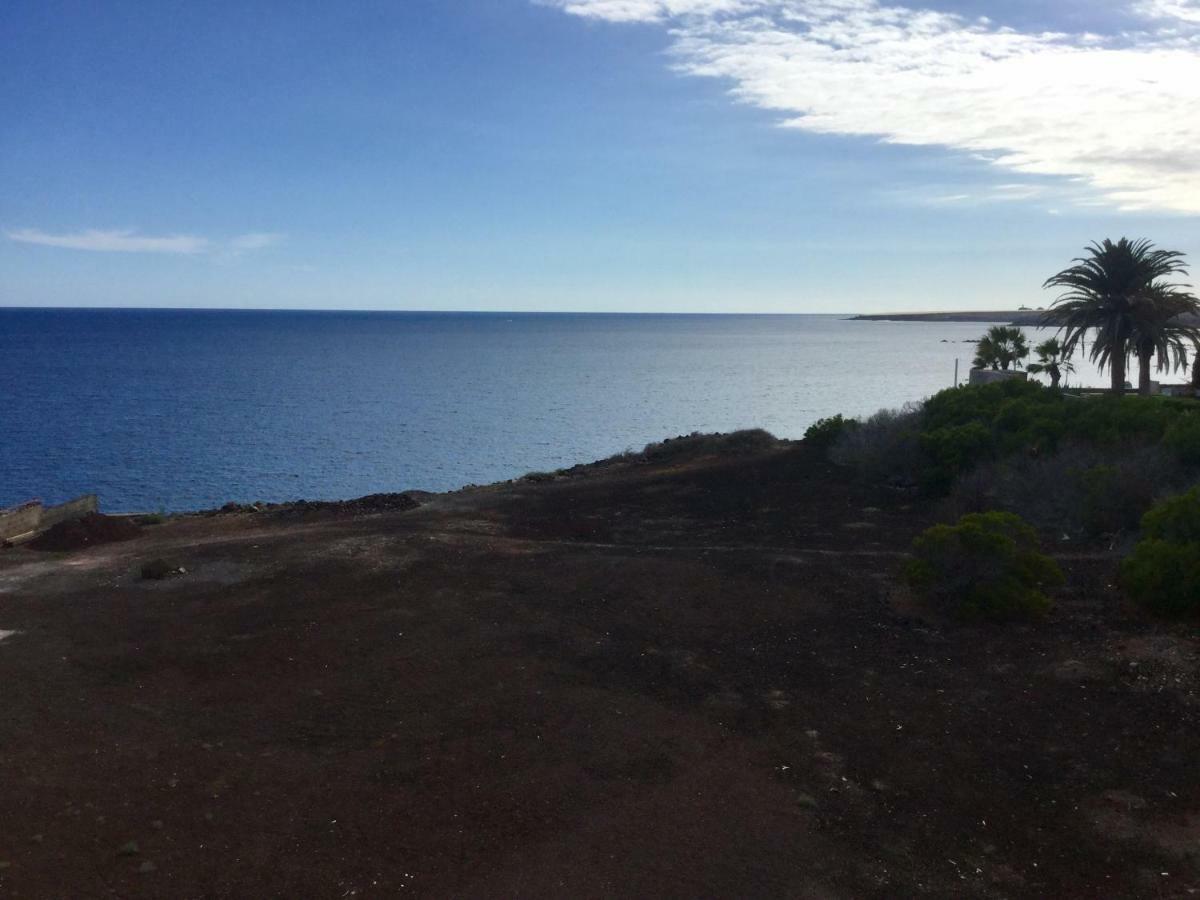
(258, 240)
(129, 241)
(112, 241)
(1116, 113)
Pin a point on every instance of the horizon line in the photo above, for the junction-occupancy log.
(508, 312)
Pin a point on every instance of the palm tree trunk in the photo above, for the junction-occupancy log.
(1144, 374)
(1117, 370)
(1055, 377)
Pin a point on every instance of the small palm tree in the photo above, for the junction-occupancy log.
(1000, 348)
(1159, 332)
(1107, 291)
(1052, 361)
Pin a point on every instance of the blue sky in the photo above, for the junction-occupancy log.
(623, 155)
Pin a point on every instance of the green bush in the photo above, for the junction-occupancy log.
(1176, 519)
(988, 566)
(1163, 577)
(1084, 490)
(1112, 500)
(1162, 574)
(824, 433)
(1183, 438)
(957, 430)
(951, 451)
(883, 447)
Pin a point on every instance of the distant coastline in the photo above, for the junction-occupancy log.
(1009, 317)
(1028, 317)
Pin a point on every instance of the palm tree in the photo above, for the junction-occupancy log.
(1158, 332)
(1108, 290)
(1000, 348)
(1052, 361)
(985, 354)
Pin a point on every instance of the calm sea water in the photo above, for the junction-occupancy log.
(177, 410)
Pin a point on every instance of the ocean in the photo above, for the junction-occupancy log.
(187, 409)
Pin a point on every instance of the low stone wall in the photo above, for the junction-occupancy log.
(34, 517)
(72, 509)
(20, 520)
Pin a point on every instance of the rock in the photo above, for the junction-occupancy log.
(147, 867)
(157, 570)
(879, 786)
(129, 849)
(808, 801)
(37, 838)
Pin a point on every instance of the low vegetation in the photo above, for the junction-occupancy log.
(1009, 459)
(987, 566)
(824, 433)
(963, 429)
(1163, 572)
(696, 445)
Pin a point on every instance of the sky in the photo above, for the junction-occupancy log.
(588, 155)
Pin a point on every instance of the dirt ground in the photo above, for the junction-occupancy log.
(696, 681)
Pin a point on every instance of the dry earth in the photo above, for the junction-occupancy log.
(679, 681)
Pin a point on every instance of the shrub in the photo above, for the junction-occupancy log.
(1111, 499)
(988, 566)
(951, 451)
(1183, 438)
(882, 447)
(696, 445)
(1176, 519)
(1163, 577)
(1084, 490)
(982, 403)
(1163, 572)
(823, 433)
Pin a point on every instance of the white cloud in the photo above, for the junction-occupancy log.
(1117, 114)
(128, 241)
(112, 241)
(650, 10)
(1187, 10)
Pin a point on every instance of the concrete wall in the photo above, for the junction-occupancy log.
(990, 376)
(20, 520)
(72, 509)
(34, 517)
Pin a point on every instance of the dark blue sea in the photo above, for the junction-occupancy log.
(185, 409)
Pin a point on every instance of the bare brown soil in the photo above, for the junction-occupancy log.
(90, 531)
(694, 681)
